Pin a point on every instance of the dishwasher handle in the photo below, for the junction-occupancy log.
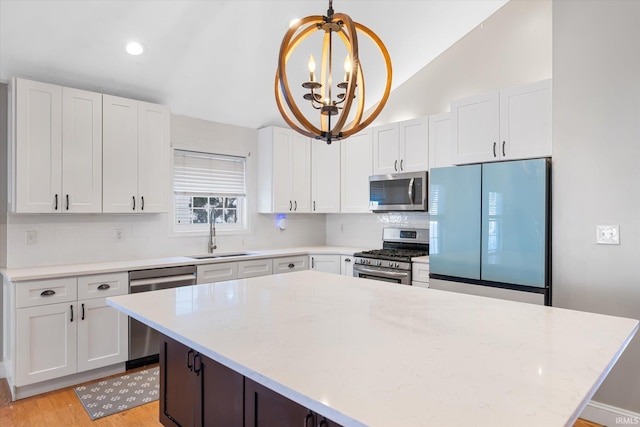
(144, 285)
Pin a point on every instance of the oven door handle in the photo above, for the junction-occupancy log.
(382, 273)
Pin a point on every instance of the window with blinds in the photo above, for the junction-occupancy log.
(208, 188)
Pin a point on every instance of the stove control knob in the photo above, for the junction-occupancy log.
(379, 263)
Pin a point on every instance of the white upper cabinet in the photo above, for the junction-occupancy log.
(153, 157)
(401, 147)
(325, 176)
(284, 171)
(135, 156)
(57, 144)
(525, 121)
(509, 124)
(356, 158)
(440, 140)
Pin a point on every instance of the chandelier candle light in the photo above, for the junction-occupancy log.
(321, 92)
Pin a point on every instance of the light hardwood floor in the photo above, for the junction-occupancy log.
(62, 408)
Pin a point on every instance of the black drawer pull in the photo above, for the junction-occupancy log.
(197, 364)
(47, 293)
(308, 417)
(71, 306)
(134, 202)
(104, 287)
(291, 265)
(142, 199)
(82, 311)
(189, 360)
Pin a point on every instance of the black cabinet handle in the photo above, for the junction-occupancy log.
(395, 166)
(347, 260)
(197, 368)
(189, 363)
(323, 423)
(142, 204)
(401, 162)
(494, 149)
(313, 263)
(290, 205)
(82, 312)
(295, 205)
(104, 287)
(47, 293)
(291, 265)
(314, 205)
(71, 306)
(503, 153)
(134, 203)
(67, 202)
(56, 206)
(308, 417)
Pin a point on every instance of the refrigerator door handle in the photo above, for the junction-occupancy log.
(410, 190)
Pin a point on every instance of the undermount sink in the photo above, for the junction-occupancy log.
(232, 254)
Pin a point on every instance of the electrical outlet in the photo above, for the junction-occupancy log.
(607, 234)
(30, 237)
(118, 234)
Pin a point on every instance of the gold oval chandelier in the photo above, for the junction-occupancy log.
(329, 100)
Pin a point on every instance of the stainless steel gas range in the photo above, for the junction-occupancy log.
(392, 263)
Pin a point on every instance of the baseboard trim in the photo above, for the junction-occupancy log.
(608, 415)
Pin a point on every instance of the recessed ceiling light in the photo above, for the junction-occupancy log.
(135, 48)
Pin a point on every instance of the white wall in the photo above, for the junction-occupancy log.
(71, 239)
(596, 153)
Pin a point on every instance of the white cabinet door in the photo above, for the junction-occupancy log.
(326, 263)
(420, 274)
(385, 149)
(300, 179)
(153, 157)
(284, 171)
(355, 168)
(82, 151)
(210, 273)
(38, 147)
(475, 130)
(102, 335)
(325, 181)
(525, 121)
(254, 268)
(120, 155)
(440, 140)
(46, 342)
(290, 264)
(413, 145)
(346, 265)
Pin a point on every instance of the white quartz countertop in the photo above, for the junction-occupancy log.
(53, 271)
(363, 352)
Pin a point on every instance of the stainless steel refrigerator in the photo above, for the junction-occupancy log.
(490, 225)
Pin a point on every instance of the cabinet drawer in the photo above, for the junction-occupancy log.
(216, 272)
(289, 264)
(103, 285)
(43, 292)
(254, 268)
(420, 272)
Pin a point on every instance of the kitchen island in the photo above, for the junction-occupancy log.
(363, 352)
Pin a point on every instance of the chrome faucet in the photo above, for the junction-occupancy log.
(212, 237)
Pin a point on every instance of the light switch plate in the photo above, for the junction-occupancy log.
(30, 237)
(607, 234)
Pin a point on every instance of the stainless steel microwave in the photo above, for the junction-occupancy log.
(398, 192)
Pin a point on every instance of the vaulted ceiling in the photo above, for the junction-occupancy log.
(209, 59)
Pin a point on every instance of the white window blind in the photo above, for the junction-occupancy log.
(204, 173)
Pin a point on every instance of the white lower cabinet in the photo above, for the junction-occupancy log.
(210, 273)
(290, 264)
(46, 343)
(420, 274)
(254, 268)
(346, 265)
(57, 334)
(326, 263)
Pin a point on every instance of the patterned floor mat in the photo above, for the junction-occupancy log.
(110, 396)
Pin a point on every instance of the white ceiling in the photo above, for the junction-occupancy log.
(209, 59)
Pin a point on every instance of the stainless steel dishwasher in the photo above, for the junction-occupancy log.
(143, 340)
